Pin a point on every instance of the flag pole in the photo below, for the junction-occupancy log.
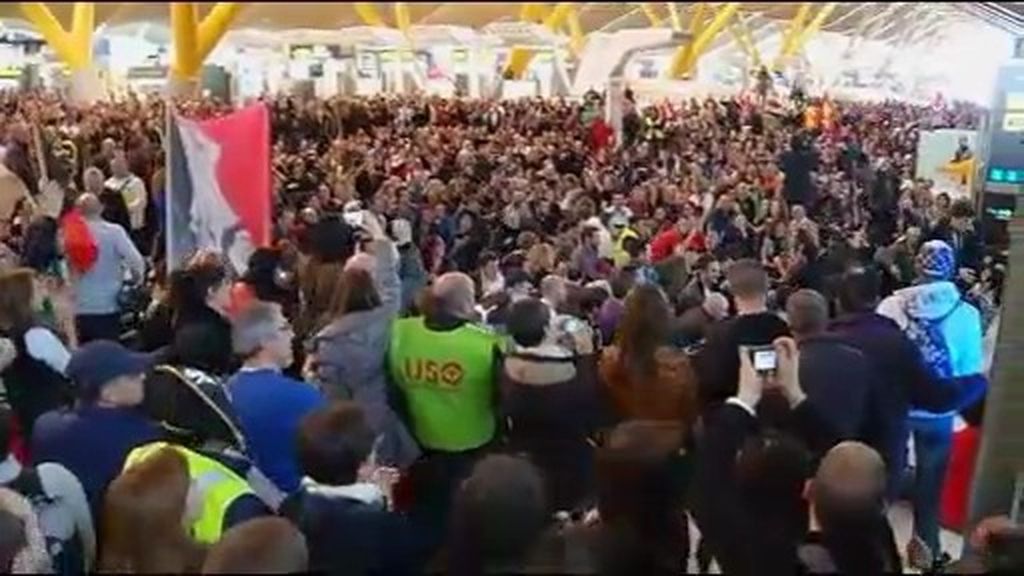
(168, 180)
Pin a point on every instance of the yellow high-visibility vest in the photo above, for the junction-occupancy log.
(220, 486)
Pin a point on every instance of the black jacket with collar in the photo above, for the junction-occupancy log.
(733, 535)
(347, 535)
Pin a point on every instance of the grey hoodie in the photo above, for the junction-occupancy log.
(352, 361)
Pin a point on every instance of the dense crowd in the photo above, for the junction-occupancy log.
(488, 338)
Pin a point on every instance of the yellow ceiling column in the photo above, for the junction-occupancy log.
(74, 48)
(682, 53)
(811, 29)
(369, 15)
(741, 32)
(673, 15)
(652, 15)
(402, 18)
(796, 25)
(577, 40)
(184, 65)
(520, 57)
(800, 30)
(214, 25)
(683, 63)
(194, 40)
(533, 12)
(83, 22)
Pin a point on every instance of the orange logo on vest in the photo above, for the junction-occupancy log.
(447, 374)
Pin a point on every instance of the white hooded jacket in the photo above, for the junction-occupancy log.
(941, 305)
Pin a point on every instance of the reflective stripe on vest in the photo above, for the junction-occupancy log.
(448, 382)
(217, 484)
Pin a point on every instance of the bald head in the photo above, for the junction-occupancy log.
(851, 477)
(808, 313)
(454, 294)
(89, 206)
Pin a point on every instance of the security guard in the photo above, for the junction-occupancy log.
(622, 232)
(445, 367)
(227, 499)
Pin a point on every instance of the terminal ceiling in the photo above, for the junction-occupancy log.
(896, 22)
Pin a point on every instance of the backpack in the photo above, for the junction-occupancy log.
(927, 335)
(62, 543)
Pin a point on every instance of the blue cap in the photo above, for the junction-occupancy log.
(98, 363)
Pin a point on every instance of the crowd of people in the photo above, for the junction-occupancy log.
(489, 338)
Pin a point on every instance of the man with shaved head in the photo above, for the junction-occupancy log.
(454, 295)
(837, 377)
(445, 367)
(849, 530)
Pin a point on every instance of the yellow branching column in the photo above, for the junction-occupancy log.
(685, 60)
(800, 31)
(194, 40)
(73, 47)
(682, 54)
(520, 57)
(369, 15)
(652, 15)
(577, 39)
(741, 33)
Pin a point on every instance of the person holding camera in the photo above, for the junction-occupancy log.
(749, 479)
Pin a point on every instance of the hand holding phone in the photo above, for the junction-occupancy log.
(764, 359)
(787, 373)
(751, 384)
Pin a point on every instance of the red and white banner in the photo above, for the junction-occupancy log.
(219, 186)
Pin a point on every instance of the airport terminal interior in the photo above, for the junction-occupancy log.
(401, 288)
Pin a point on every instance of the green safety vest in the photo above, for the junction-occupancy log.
(220, 486)
(448, 382)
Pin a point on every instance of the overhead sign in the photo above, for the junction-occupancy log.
(1005, 168)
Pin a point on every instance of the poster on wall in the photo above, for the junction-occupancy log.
(938, 151)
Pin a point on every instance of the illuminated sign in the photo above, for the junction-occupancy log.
(1006, 175)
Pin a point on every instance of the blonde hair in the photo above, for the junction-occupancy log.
(541, 257)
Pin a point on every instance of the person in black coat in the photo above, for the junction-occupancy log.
(837, 377)
(749, 480)
(343, 514)
(550, 401)
(717, 366)
(200, 299)
(904, 380)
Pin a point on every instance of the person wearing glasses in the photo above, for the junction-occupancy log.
(269, 404)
